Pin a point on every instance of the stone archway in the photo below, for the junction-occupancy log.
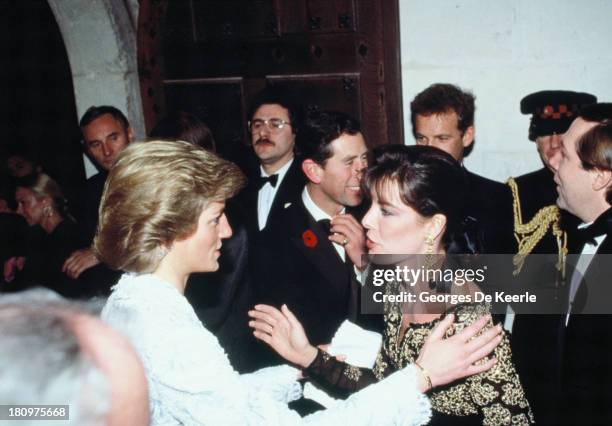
(100, 40)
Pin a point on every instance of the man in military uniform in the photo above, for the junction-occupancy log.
(538, 225)
(541, 228)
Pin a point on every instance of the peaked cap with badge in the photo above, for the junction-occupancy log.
(553, 110)
(538, 226)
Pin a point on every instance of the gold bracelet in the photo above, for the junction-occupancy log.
(426, 375)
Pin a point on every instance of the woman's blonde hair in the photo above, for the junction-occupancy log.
(42, 185)
(154, 195)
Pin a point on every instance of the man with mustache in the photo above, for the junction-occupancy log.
(273, 127)
(309, 256)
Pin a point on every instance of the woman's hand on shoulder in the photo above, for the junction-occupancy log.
(283, 332)
(448, 359)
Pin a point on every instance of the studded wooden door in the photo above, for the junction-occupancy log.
(211, 57)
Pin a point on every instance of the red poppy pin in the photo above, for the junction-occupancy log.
(310, 239)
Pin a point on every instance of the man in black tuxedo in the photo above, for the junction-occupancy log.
(443, 116)
(541, 228)
(310, 255)
(583, 174)
(278, 180)
(106, 132)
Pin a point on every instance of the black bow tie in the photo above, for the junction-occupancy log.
(262, 180)
(601, 226)
(588, 234)
(325, 224)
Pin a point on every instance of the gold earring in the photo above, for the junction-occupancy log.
(429, 256)
(429, 259)
(429, 241)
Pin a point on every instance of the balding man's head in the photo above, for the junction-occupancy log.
(61, 355)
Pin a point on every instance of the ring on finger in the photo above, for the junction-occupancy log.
(345, 241)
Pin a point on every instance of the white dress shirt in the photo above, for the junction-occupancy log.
(586, 256)
(265, 196)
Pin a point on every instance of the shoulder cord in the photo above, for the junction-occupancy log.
(529, 234)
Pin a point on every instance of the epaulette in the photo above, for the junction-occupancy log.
(529, 234)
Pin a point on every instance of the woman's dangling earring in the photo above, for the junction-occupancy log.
(47, 212)
(429, 258)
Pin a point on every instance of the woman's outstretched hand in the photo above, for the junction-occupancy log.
(283, 332)
(448, 359)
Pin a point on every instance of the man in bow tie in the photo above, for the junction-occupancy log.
(539, 228)
(272, 127)
(583, 173)
(310, 256)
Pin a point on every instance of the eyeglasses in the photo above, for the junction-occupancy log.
(274, 124)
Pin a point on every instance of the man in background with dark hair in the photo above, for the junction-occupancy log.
(15, 234)
(443, 117)
(309, 255)
(273, 126)
(184, 126)
(106, 132)
(583, 174)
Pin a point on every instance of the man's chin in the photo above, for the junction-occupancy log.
(354, 201)
(563, 205)
(560, 202)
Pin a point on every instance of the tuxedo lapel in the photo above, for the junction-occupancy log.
(289, 190)
(595, 291)
(319, 252)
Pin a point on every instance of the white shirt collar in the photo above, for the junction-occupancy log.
(315, 211)
(280, 172)
(598, 239)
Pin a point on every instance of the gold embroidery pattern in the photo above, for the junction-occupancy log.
(522, 419)
(484, 394)
(380, 366)
(450, 401)
(353, 373)
(512, 394)
(496, 414)
(496, 394)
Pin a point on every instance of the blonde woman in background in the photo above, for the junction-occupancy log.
(41, 202)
